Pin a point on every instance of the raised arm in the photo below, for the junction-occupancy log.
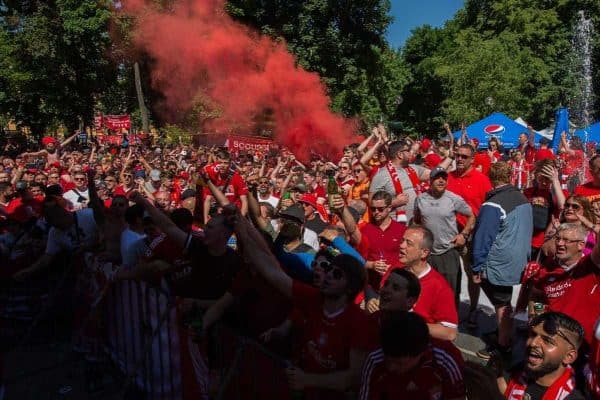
(255, 250)
(178, 236)
(68, 140)
(95, 203)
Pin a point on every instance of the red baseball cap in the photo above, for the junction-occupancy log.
(425, 144)
(309, 199)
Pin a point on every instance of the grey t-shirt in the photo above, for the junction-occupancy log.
(383, 181)
(439, 216)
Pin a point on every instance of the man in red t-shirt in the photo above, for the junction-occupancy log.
(544, 153)
(409, 365)
(227, 181)
(591, 189)
(436, 301)
(569, 282)
(472, 186)
(332, 348)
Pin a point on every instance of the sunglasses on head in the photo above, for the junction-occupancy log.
(551, 327)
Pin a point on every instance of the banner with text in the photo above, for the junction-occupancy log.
(235, 144)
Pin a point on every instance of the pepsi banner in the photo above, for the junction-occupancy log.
(496, 125)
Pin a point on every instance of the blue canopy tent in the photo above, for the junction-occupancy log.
(593, 133)
(499, 125)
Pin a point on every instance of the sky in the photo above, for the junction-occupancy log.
(409, 14)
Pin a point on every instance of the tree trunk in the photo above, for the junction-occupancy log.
(140, 96)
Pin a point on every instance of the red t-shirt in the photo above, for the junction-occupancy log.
(319, 192)
(575, 292)
(436, 301)
(544, 154)
(588, 190)
(382, 244)
(327, 339)
(120, 190)
(260, 306)
(438, 376)
(482, 160)
(236, 187)
(471, 186)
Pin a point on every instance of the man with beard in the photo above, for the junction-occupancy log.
(401, 180)
(552, 346)
(333, 349)
(264, 192)
(7, 193)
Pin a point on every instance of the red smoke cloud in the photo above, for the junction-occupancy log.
(199, 49)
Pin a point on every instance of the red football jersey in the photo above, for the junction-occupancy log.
(439, 376)
(574, 291)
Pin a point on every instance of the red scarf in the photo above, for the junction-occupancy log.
(560, 389)
(414, 178)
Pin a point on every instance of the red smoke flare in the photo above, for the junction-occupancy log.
(199, 49)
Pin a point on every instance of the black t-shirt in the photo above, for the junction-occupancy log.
(536, 392)
(212, 275)
(316, 224)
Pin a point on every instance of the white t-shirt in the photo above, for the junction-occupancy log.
(133, 247)
(82, 233)
(272, 200)
(73, 198)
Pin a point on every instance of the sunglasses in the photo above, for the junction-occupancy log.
(79, 179)
(327, 267)
(379, 209)
(552, 327)
(574, 206)
(263, 182)
(128, 176)
(357, 171)
(463, 156)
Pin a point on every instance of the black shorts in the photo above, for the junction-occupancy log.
(499, 296)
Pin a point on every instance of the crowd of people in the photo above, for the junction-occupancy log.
(355, 263)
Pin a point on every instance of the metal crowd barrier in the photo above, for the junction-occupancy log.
(142, 338)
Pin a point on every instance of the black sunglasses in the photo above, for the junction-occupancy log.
(552, 327)
(574, 206)
(336, 272)
(463, 156)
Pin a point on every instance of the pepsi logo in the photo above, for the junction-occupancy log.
(493, 129)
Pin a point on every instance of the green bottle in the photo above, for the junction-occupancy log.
(332, 188)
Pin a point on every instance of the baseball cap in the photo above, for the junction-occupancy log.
(309, 199)
(140, 174)
(437, 172)
(155, 175)
(294, 212)
(432, 160)
(187, 193)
